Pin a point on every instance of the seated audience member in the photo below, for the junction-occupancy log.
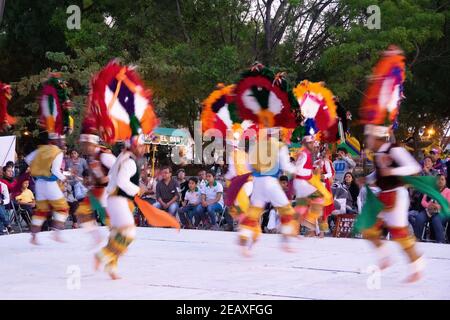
(415, 207)
(343, 200)
(4, 200)
(13, 184)
(181, 178)
(191, 207)
(438, 163)
(26, 200)
(427, 167)
(212, 199)
(167, 192)
(75, 162)
(201, 179)
(21, 165)
(432, 209)
(148, 183)
(11, 165)
(350, 184)
(68, 192)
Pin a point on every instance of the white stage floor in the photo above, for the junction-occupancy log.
(193, 264)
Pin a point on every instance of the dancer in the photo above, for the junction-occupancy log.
(237, 166)
(219, 113)
(310, 193)
(45, 162)
(392, 164)
(100, 160)
(328, 174)
(318, 110)
(124, 112)
(265, 99)
(123, 187)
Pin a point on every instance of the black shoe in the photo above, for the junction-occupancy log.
(10, 230)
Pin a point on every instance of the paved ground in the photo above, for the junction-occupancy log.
(193, 264)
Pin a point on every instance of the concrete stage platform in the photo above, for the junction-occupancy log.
(194, 264)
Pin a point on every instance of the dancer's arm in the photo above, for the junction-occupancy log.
(407, 164)
(329, 171)
(285, 161)
(127, 170)
(56, 167)
(300, 166)
(30, 157)
(108, 159)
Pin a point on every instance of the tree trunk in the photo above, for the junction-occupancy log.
(268, 35)
(183, 27)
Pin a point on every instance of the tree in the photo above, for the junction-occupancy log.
(410, 24)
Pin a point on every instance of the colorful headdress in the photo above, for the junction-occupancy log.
(220, 112)
(384, 93)
(54, 107)
(317, 108)
(121, 103)
(89, 128)
(265, 98)
(5, 95)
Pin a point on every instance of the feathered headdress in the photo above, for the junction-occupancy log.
(54, 107)
(317, 108)
(220, 112)
(265, 98)
(89, 128)
(5, 95)
(121, 103)
(384, 92)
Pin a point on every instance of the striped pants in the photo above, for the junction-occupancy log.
(122, 234)
(49, 201)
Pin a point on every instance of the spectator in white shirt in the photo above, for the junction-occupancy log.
(212, 199)
(191, 205)
(201, 179)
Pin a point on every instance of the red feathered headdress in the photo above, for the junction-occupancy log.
(121, 103)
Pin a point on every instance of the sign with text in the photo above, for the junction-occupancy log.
(344, 225)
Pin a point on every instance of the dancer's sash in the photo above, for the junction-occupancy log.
(155, 216)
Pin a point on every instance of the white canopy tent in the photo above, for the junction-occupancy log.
(7, 149)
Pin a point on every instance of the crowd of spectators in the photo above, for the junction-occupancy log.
(198, 201)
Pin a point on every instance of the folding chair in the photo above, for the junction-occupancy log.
(221, 216)
(14, 216)
(446, 232)
(426, 233)
(24, 215)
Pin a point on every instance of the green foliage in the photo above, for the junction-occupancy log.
(183, 48)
